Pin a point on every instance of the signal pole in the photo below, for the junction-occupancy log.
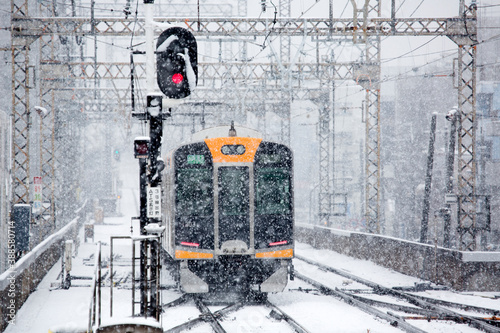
(154, 112)
(149, 31)
(177, 76)
(149, 151)
(142, 224)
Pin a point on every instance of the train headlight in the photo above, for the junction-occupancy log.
(233, 149)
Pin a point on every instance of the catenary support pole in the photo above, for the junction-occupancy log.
(449, 180)
(428, 182)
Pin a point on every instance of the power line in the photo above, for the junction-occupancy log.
(489, 39)
(402, 76)
(402, 3)
(308, 9)
(80, 6)
(135, 24)
(488, 6)
(343, 10)
(421, 2)
(489, 64)
(410, 51)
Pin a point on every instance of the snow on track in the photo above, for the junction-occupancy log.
(48, 308)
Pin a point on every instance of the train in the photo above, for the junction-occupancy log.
(229, 212)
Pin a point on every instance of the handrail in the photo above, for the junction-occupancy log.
(29, 258)
(96, 288)
(25, 261)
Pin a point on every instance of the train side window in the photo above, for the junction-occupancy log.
(194, 191)
(272, 191)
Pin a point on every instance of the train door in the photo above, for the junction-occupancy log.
(234, 198)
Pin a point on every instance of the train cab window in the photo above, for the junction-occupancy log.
(194, 191)
(272, 191)
(234, 204)
(273, 170)
(233, 191)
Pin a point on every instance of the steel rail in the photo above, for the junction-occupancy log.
(210, 317)
(476, 323)
(392, 319)
(214, 318)
(393, 306)
(424, 313)
(181, 300)
(296, 326)
(460, 306)
(202, 318)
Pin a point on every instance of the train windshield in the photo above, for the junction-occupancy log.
(234, 204)
(194, 191)
(233, 191)
(272, 191)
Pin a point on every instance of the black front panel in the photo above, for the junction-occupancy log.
(273, 195)
(233, 273)
(194, 217)
(234, 204)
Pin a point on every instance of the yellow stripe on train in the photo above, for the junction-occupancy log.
(215, 146)
(288, 253)
(179, 254)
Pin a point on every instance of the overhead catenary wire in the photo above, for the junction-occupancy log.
(401, 76)
(411, 51)
(262, 45)
(79, 6)
(402, 3)
(135, 24)
(420, 4)
(407, 54)
(488, 6)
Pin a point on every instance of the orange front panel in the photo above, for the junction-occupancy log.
(179, 254)
(215, 145)
(288, 253)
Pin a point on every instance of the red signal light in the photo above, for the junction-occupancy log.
(177, 78)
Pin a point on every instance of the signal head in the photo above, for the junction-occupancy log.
(176, 62)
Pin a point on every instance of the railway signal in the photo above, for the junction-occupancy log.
(141, 145)
(176, 62)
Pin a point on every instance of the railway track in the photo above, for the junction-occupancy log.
(216, 319)
(419, 307)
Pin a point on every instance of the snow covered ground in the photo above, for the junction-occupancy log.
(50, 308)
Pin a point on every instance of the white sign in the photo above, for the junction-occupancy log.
(450, 198)
(154, 202)
(37, 196)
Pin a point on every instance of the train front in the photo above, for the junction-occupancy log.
(232, 224)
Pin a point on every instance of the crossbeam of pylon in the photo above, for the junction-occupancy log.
(243, 27)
